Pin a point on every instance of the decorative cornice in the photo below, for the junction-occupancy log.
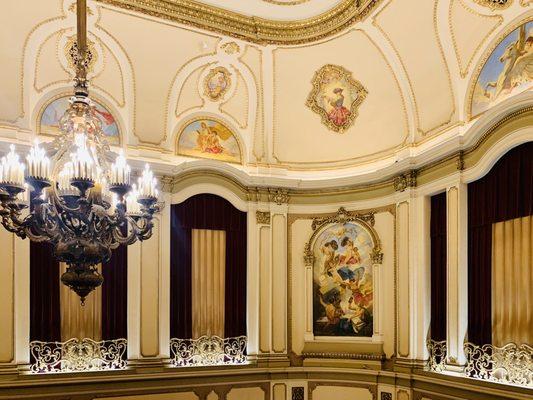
(250, 28)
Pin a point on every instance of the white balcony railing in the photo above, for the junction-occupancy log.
(78, 355)
(208, 350)
(437, 355)
(510, 364)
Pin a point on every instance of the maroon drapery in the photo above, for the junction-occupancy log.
(438, 266)
(207, 211)
(45, 320)
(506, 192)
(115, 295)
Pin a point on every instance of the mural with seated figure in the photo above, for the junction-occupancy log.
(507, 71)
(208, 138)
(343, 281)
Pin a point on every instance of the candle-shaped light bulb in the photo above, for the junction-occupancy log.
(38, 163)
(120, 170)
(147, 183)
(12, 168)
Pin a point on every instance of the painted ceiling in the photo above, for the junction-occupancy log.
(303, 90)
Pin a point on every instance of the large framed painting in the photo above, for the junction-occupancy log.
(209, 138)
(52, 113)
(507, 71)
(336, 97)
(343, 251)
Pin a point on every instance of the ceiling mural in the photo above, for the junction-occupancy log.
(51, 115)
(336, 97)
(507, 71)
(206, 137)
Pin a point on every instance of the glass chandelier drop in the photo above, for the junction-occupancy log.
(77, 200)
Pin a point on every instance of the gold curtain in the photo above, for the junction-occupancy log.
(79, 321)
(208, 282)
(512, 282)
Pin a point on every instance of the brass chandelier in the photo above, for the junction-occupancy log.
(78, 200)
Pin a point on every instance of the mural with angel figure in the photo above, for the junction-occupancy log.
(336, 96)
(343, 281)
(52, 113)
(208, 138)
(507, 71)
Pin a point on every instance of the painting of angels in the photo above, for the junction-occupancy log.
(217, 82)
(49, 122)
(507, 72)
(336, 97)
(208, 138)
(343, 281)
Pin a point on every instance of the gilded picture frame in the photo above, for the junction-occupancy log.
(336, 97)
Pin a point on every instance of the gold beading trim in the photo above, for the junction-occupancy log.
(286, 2)
(251, 28)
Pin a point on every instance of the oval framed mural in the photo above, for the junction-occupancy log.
(343, 251)
(48, 120)
(507, 71)
(206, 137)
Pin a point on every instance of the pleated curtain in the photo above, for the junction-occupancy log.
(77, 320)
(55, 311)
(503, 194)
(207, 212)
(512, 282)
(208, 282)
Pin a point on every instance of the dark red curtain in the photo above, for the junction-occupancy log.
(506, 192)
(45, 322)
(207, 211)
(115, 295)
(438, 236)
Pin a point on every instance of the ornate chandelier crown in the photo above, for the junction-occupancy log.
(78, 203)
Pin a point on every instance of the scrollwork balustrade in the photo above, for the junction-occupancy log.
(437, 355)
(208, 350)
(78, 355)
(510, 364)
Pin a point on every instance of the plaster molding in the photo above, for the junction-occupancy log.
(251, 28)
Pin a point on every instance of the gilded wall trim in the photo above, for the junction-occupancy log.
(250, 28)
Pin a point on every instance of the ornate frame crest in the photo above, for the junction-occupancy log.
(209, 76)
(355, 88)
(342, 216)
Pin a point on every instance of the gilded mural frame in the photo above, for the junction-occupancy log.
(212, 72)
(354, 105)
(366, 220)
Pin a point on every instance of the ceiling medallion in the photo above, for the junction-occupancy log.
(336, 96)
(216, 83)
(230, 48)
(494, 4)
(72, 54)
